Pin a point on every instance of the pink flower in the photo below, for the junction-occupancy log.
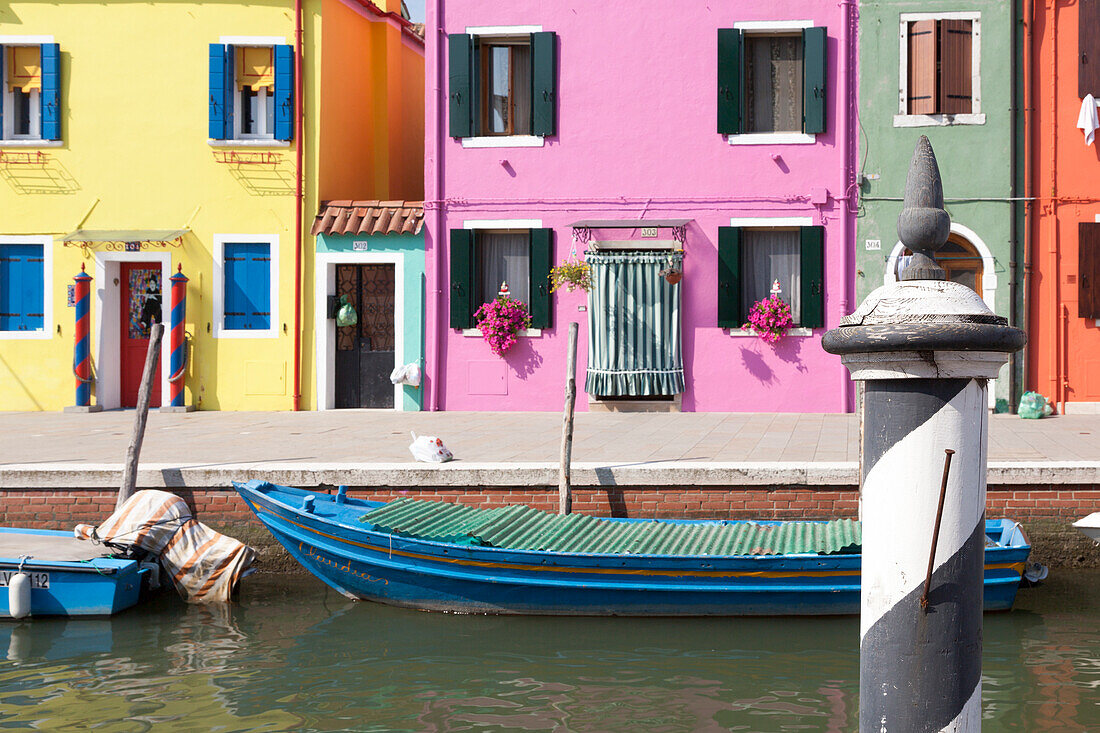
(500, 321)
(770, 319)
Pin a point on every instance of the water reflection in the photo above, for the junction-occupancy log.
(293, 656)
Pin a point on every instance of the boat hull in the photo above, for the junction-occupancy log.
(405, 571)
(96, 587)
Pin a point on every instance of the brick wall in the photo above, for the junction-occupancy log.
(63, 508)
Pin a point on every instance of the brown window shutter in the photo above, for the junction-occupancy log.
(1088, 48)
(955, 86)
(922, 68)
(1088, 269)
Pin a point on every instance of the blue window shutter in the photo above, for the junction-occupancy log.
(229, 90)
(22, 295)
(217, 92)
(259, 286)
(284, 92)
(236, 273)
(51, 91)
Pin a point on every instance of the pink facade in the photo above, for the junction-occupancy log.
(636, 139)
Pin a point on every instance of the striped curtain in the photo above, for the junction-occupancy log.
(633, 326)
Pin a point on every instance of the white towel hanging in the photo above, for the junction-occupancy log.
(1088, 120)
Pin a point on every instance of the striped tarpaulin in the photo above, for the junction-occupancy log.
(204, 566)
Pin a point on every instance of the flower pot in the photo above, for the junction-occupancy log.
(673, 276)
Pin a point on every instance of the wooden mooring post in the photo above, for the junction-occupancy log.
(129, 476)
(565, 493)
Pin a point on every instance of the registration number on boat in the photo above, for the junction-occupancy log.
(38, 580)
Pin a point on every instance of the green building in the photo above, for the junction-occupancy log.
(947, 69)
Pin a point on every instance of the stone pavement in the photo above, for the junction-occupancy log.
(382, 437)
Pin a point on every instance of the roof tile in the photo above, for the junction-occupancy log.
(369, 217)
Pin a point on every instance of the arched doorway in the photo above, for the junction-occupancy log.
(959, 259)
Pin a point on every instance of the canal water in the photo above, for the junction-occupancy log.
(295, 656)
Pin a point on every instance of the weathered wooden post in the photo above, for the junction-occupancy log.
(924, 348)
(141, 415)
(565, 490)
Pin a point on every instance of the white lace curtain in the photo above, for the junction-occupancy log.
(503, 257)
(768, 255)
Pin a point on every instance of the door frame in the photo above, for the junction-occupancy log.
(107, 341)
(325, 328)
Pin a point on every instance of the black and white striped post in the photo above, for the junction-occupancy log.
(924, 348)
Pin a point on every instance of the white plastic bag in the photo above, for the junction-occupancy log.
(429, 449)
(408, 374)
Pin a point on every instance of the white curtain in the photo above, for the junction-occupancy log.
(503, 257)
(768, 255)
(773, 81)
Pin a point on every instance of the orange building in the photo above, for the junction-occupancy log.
(1062, 287)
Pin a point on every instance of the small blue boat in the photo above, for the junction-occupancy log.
(448, 558)
(68, 577)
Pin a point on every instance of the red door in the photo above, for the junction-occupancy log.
(139, 308)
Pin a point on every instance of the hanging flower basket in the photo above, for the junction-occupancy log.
(572, 274)
(672, 272)
(500, 321)
(770, 319)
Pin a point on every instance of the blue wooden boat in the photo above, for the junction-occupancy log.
(69, 577)
(365, 551)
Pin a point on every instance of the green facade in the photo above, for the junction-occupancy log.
(975, 152)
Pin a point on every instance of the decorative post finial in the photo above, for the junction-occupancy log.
(923, 225)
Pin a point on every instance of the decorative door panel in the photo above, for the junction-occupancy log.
(139, 308)
(365, 351)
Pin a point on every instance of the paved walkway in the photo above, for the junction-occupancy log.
(368, 436)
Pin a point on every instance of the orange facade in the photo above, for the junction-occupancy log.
(1064, 213)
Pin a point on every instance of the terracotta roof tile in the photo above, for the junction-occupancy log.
(369, 217)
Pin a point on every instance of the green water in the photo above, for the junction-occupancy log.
(294, 656)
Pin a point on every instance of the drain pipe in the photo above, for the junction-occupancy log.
(299, 202)
(435, 319)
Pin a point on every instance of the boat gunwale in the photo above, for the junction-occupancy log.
(838, 561)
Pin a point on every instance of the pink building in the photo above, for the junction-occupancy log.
(714, 139)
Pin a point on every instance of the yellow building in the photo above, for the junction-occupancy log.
(139, 139)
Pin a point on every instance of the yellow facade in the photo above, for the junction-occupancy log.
(135, 154)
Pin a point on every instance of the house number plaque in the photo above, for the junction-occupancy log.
(649, 232)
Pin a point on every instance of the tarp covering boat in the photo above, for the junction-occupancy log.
(521, 527)
(204, 565)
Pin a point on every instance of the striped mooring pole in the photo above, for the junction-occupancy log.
(176, 340)
(925, 348)
(82, 360)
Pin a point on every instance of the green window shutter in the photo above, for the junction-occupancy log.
(813, 276)
(813, 80)
(540, 262)
(543, 93)
(729, 81)
(462, 278)
(729, 278)
(460, 64)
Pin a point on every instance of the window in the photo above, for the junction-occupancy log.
(251, 92)
(506, 77)
(22, 287)
(771, 80)
(482, 259)
(502, 85)
(31, 92)
(939, 69)
(246, 277)
(752, 260)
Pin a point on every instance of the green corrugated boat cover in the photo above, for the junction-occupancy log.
(520, 527)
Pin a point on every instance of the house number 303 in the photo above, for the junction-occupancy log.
(649, 232)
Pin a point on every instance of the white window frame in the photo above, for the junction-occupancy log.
(267, 138)
(476, 224)
(502, 141)
(976, 117)
(218, 327)
(46, 241)
(34, 139)
(763, 28)
(774, 222)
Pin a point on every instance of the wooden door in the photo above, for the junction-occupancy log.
(139, 309)
(365, 351)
